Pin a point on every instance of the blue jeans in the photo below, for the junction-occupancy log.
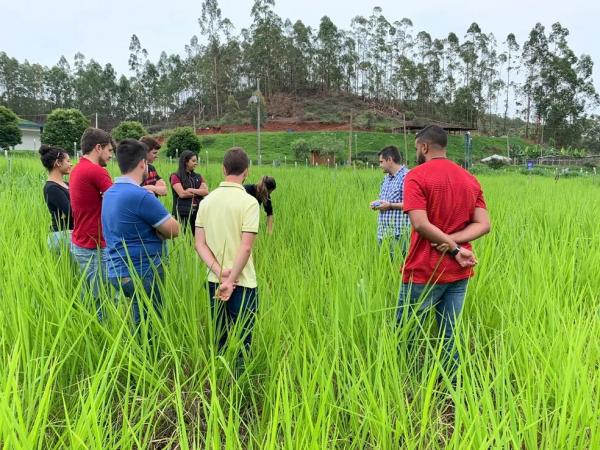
(59, 241)
(92, 265)
(447, 300)
(241, 307)
(398, 244)
(150, 283)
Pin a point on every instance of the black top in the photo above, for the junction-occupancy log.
(183, 206)
(153, 176)
(59, 204)
(268, 206)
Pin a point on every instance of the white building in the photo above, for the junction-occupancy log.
(32, 133)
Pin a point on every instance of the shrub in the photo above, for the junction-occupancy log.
(182, 139)
(237, 118)
(301, 149)
(366, 120)
(534, 171)
(496, 164)
(479, 169)
(328, 145)
(128, 129)
(64, 127)
(10, 134)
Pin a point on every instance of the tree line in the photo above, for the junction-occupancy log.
(472, 78)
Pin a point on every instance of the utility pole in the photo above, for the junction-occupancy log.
(258, 118)
(468, 149)
(350, 141)
(96, 120)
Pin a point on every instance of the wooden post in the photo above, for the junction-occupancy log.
(405, 143)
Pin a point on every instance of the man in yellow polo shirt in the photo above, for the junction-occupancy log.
(226, 226)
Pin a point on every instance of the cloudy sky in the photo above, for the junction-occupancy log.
(42, 31)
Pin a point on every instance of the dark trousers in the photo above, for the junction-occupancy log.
(187, 219)
(149, 283)
(239, 310)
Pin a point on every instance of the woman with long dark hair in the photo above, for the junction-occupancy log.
(56, 195)
(189, 188)
(261, 191)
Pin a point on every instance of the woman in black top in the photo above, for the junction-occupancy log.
(56, 194)
(188, 189)
(261, 191)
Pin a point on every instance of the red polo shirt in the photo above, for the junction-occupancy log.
(87, 183)
(449, 194)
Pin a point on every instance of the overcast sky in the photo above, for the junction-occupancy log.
(42, 31)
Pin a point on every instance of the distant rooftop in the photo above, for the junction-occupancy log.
(29, 124)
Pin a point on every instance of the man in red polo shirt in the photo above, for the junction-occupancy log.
(87, 183)
(446, 209)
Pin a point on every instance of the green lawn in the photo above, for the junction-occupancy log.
(277, 145)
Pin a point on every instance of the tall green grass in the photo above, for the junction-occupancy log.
(328, 368)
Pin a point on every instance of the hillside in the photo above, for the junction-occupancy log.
(374, 125)
(308, 112)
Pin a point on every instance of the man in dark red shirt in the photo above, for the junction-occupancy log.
(446, 209)
(89, 180)
(154, 183)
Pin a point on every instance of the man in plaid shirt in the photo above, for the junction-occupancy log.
(392, 223)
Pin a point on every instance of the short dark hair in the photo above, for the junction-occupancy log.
(150, 142)
(129, 154)
(92, 137)
(391, 151)
(433, 134)
(235, 161)
(50, 155)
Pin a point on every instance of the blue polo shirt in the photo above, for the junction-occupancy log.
(130, 215)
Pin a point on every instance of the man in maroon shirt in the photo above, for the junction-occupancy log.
(87, 183)
(446, 209)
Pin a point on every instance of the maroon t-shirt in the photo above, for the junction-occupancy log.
(152, 177)
(87, 183)
(449, 194)
(195, 181)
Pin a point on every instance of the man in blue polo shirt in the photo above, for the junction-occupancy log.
(135, 225)
(392, 224)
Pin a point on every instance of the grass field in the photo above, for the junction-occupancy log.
(328, 368)
(277, 145)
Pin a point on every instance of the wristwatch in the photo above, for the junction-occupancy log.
(455, 251)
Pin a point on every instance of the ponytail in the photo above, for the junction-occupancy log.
(264, 187)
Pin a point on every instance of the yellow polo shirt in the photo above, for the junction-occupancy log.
(225, 214)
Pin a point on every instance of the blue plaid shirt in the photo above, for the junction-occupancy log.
(393, 222)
